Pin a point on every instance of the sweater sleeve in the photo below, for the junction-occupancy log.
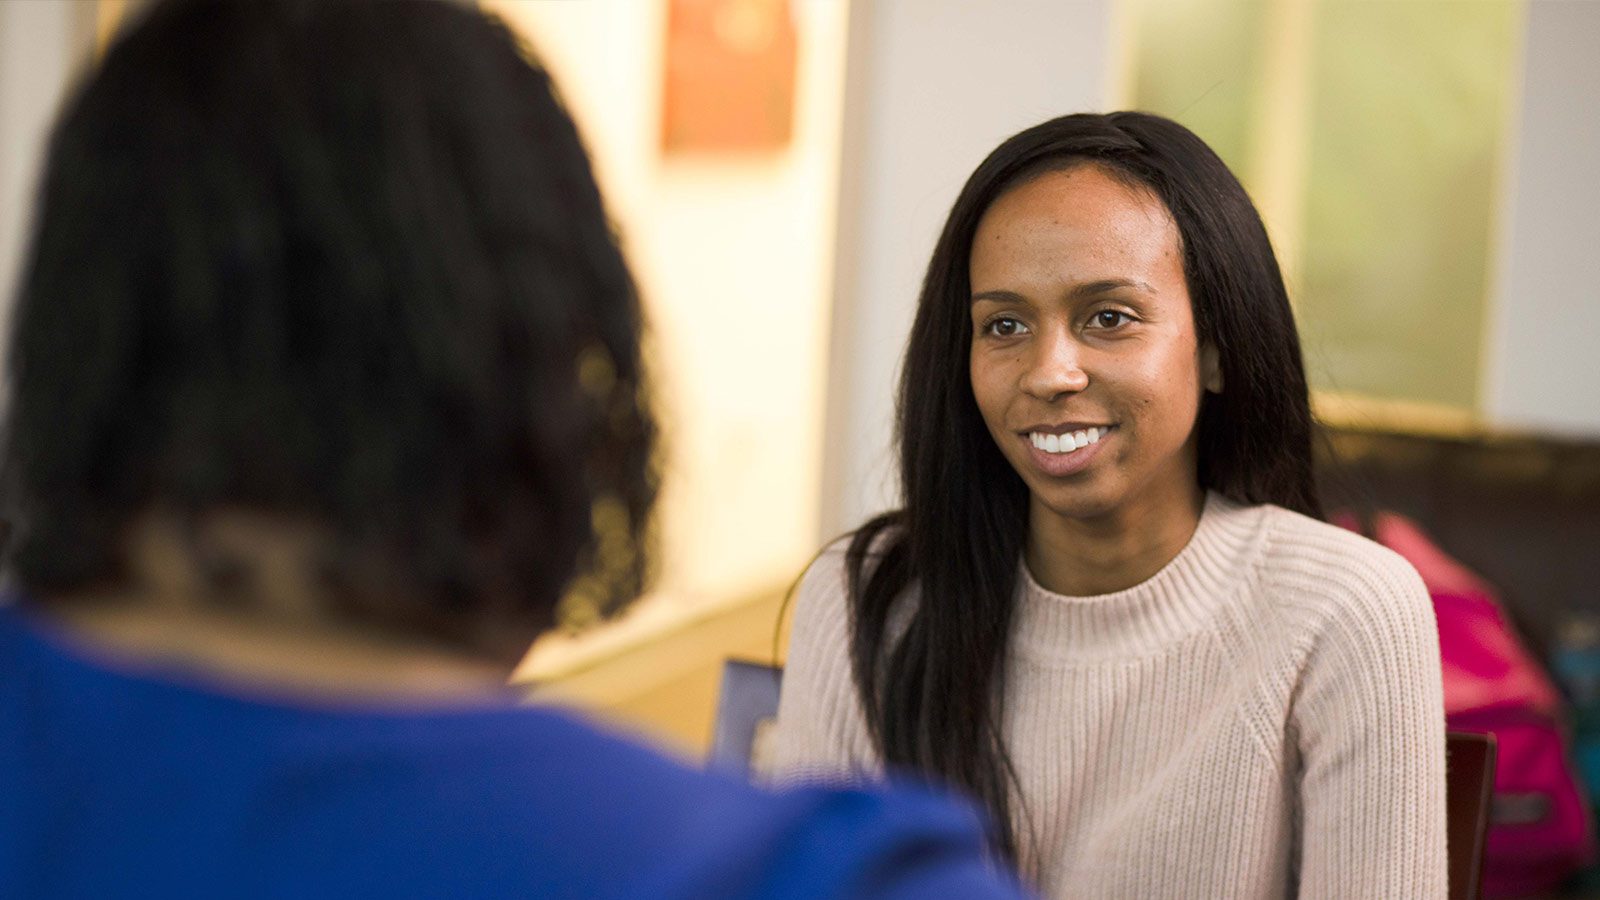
(1370, 725)
(821, 733)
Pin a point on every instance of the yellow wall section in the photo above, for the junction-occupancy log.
(734, 258)
(664, 688)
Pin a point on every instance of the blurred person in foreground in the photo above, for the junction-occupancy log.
(325, 385)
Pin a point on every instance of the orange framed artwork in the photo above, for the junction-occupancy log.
(730, 77)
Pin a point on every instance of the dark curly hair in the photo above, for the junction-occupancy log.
(343, 261)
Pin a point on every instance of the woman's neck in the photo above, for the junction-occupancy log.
(1103, 555)
(286, 658)
(281, 641)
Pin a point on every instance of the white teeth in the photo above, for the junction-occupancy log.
(1066, 443)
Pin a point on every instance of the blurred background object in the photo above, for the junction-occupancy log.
(777, 169)
(729, 84)
(730, 230)
(1374, 136)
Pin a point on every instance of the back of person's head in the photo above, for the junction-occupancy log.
(342, 263)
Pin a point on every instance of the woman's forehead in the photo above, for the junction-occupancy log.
(1077, 225)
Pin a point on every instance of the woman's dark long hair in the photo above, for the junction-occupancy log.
(933, 695)
(342, 261)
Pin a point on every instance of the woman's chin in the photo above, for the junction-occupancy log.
(1084, 503)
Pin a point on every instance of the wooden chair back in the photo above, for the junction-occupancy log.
(1469, 787)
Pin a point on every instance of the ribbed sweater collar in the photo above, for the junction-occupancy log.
(1180, 600)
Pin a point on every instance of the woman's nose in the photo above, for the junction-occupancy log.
(1055, 368)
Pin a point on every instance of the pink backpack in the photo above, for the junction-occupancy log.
(1539, 825)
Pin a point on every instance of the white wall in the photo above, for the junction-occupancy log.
(1545, 325)
(931, 87)
(734, 256)
(41, 44)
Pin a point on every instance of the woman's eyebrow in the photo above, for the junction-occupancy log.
(999, 297)
(1087, 289)
(1106, 285)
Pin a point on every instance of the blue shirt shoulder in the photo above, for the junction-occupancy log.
(121, 783)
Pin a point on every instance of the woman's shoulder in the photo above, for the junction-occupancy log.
(822, 606)
(1329, 573)
(828, 573)
(1300, 542)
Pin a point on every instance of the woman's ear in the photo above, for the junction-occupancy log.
(1210, 368)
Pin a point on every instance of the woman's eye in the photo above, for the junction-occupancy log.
(1110, 318)
(1005, 326)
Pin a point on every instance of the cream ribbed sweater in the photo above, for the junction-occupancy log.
(1262, 718)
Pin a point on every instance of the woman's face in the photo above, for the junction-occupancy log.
(1084, 363)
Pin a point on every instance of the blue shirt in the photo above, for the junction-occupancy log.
(121, 783)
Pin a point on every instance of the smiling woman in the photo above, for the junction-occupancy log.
(1076, 272)
(1107, 607)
